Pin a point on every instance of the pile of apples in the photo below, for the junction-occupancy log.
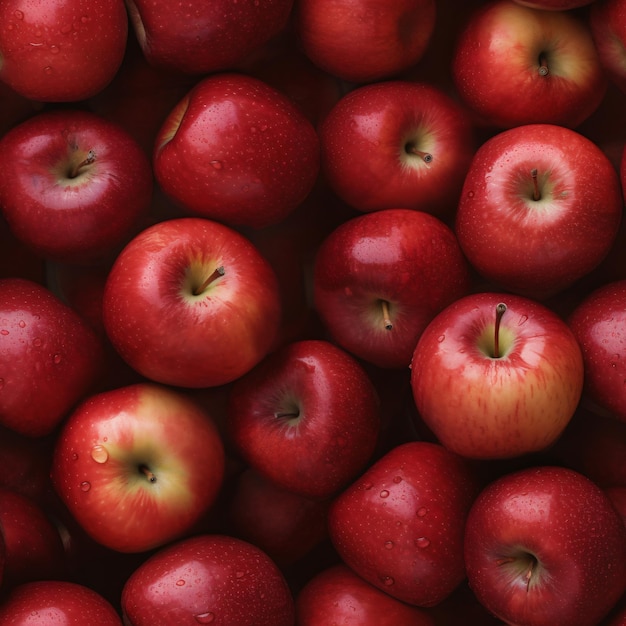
(313, 312)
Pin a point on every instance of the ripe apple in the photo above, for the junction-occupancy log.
(285, 525)
(380, 278)
(364, 40)
(311, 405)
(540, 208)
(76, 185)
(598, 324)
(607, 19)
(236, 150)
(400, 524)
(516, 65)
(45, 602)
(138, 466)
(33, 549)
(397, 143)
(545, 546)
(61, 50)
(497, 375)
(202, 38)
(49, 358)
(208, 579)
(337, 595)
(191, 302)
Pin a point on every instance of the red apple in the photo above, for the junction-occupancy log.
(208, 579)
(191, 302)
(61, 50)
(397, 144)
(364, 40)
(515, 65)
(237, 150)
(49, 358)
(202, 38)
(598, 324)
(497, 375)
(76, 185)
(380, 278)
(46, 602)
(285, 525)
(138, 466)
(607, 19)
(554, 5)
(311, 405)
(400, 524)
(33, 547)
(540, 208)
(545, 546)
(339, 596)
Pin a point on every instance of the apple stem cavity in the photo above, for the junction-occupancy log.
(220, 271)
(427, 157)
(536, 190)
(500, 310)
(88, 160)
(143, 469)
(386, 318)
(544, 70)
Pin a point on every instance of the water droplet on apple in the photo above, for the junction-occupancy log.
(22, 324)
(470, 194)
(47, 70)
(421, 511)
(239, 574)
(19, 15)
(57, 358)
(37, 342)
(422, 542)
(4, 332)
(75, 456)
(85, 486)
(216, 165)
(367, 486)
(384, 493)
(99, 454)
(54, 49)
(388, 545)
(205, 618)
(441, 338)
(180, 583)
(387, 581)
(397, 479)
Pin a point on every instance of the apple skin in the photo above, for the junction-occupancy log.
(363, 41)
(208, 579)
(409, 259)
(368, 137)
(61, 50)
(312, 405)
(171, 336)
(400, 524)
(237, 150)
(197, 37)
(554, 5)
(339, 596)
(45, 602)
(538, 247)
(138, 466)
(598, 324)
(497, 61)
(50, 358)
(487, 407)
(61, 209)
(545, 546)
(607, 19)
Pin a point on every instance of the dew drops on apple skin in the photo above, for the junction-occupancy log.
(422, 542)
(85, 486)
(205, 618)
(388, 545)
(99, 454)
(180, 583)
(387, 581)
(421, 512)
(384, 493)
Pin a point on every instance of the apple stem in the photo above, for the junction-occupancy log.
(88, 160)
(543, 66)
(386, 319)
(536, 191)
(147, 473)
(220, 271)
(427, 157)
(500, 310)
(529, 574)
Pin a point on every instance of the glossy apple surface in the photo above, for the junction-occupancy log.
(544, 546)
(516, 65)
(61, 50)
(208, 579)
(238, 151)
(364, 40)
(312, 405)
(397, 144)
(191, 302)
(339, 596)
(607, 19)
(540, 208)
(49, 358)
(400, 524)
(138, 466)
(488, 401)
(380, 278)
(46, 602)
(76, 185)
